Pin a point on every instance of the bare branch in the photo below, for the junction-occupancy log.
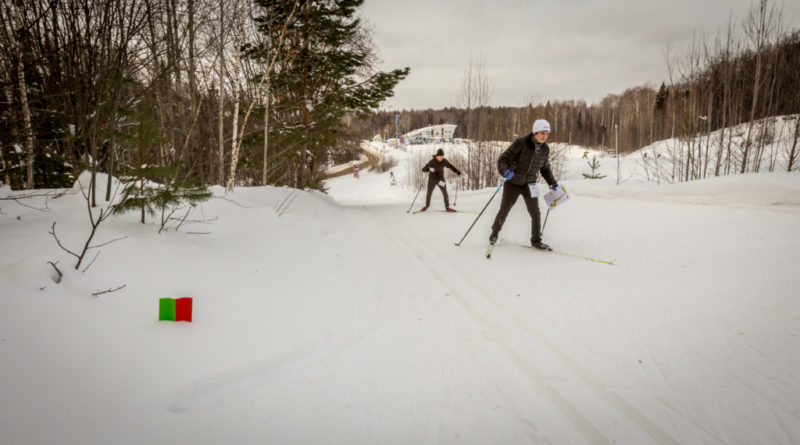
(44, 210)
(107, 291)
(165, 220)
(53, 232)
(31, 195)
(107, 242)
(60, 275)
(289, 200)
(91, 262)
(183, 220)
(234, 202)
(89, 206)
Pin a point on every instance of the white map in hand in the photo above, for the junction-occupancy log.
(556, 197)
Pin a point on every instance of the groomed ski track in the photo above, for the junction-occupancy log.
(499, 340)
(578, 352)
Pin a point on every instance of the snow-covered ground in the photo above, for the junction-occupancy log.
(349, 321)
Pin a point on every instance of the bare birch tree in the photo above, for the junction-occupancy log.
(23, 94)
(762, 21)
(221, 104)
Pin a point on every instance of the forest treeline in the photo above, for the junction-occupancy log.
(179, 91)
(744, 74)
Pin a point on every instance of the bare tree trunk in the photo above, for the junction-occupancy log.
(303, 98)
(190, 11)
(237, 69)
(221, 115)
(9, 100)
(4, 166)
(760, 24)
(709, 116)
(23, 98)
(465, 99)
(474, 96)
(266, 134)
(175, 116)
(769, 110)
(729, 154)
(793, 153)
(112, 148)
(194, 101)
(726, 89)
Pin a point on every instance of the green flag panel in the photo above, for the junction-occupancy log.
(166, 309)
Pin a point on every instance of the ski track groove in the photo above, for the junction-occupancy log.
(580, 422)
(569, 410)
(446, 287)
(773, 311)
(783, 428)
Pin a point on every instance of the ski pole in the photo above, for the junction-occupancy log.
(415, 198)
(456, 199)
(545, 220)
(479, 214)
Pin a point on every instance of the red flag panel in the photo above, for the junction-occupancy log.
(183, 309)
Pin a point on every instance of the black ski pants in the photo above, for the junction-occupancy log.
(433, 182)
(510, 194)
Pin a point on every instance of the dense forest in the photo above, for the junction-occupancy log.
(182, 91)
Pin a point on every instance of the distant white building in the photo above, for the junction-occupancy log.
(434, 133)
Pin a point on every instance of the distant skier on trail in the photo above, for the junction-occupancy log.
(435, 168)
(520, 165)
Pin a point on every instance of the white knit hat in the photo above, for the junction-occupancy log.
(541, 125)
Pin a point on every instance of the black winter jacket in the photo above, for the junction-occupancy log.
(438, 169)
(521, 157)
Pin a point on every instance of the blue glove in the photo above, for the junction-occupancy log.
(508, 174)
(553, 187)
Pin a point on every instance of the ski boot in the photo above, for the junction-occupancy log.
(449, 210)
(540, 245)
(493, 237)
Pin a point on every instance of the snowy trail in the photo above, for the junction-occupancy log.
(660, 401)
(494, 316)
(501, 347)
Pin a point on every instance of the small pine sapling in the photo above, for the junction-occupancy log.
(594, 165)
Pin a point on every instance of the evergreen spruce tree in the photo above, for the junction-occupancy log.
(328, 74)
(594, 165)
(661, 97)
(148, 187)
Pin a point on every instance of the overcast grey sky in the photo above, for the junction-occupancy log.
(538, 50)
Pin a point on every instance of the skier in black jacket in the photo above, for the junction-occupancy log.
(520, 164)
(435, 168)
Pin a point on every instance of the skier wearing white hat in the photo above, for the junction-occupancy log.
(520, 164)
